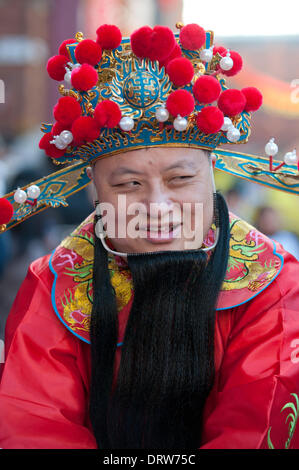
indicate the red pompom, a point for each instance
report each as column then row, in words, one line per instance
column 62, row 48
column 180, row 71
column 45, row 140
column 192, row 36
column 206, row 89
column 6, row 210
column 238, row 63
column 232, row 102
column 85, row 129
column 220, row 49
column 176, row 52
column 88, row 52
column 180, row 102
column 141, row 41
column 254, row 98
column 155, row 44
column 210, row 120
column 58, row 127
column 56, row 67
column 108, row 36
column 84, row 78
column 162, row 43
column 50, row 149
column 67, row 110
column 107, row 114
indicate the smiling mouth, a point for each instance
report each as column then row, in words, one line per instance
column 159, row 229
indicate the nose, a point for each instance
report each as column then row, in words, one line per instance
column 158, row 202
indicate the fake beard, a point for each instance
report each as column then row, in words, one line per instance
column 167, row 361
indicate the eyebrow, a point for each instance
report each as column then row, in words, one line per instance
column 178, row 164
column 181, row 164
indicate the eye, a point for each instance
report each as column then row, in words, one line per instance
column 128, row 183
column 182, row 177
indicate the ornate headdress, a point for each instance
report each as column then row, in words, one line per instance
column 153, row 89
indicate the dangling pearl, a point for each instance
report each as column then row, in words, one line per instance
column 226, row 63
column 20, row 196
column 271, row 148
column 67, row 77
column 162, row 114
column 58, row 143
column 33, row 191
column 126, row 123
column 291, row 158
column 180, row 124
column 233, row 134
column 227, row 124
column 66, row 137
column 206, row 55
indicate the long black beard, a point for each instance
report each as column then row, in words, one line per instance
column 167, row 361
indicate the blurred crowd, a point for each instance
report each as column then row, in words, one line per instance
column 38, row 235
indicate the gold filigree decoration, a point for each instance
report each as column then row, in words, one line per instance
column 79, row 36
column 214, row 62
column 66, row 92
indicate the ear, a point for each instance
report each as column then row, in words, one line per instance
column 213, row 159
column 89, row 172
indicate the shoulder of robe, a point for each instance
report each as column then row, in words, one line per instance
column 254, row 262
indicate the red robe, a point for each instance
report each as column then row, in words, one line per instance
column 254, row 404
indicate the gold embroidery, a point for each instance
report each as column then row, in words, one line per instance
column 250, row 266
column 244, row 257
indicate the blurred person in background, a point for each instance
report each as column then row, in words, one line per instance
column 269, row 221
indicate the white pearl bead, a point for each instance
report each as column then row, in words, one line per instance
column 33, row 191
column 66, row 137
column 58, row 142
column 206, row 55
column 227, row 124
column 180, row 124
column 126, row 123
column 20, row 196
column 271, row 148
column 226, row 63
column 291, row 158
column 233, row 134
column 67, row 77
column 162, row 114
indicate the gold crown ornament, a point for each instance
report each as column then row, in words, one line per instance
column 154, row 88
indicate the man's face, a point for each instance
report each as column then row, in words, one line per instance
column 166, row 193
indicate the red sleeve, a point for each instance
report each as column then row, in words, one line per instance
column 43, row 397
column 255, row 400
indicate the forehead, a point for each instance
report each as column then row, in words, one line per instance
column 150, row 159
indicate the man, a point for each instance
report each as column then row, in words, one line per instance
column 163, row 340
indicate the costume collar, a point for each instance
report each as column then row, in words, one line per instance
column 253, row 264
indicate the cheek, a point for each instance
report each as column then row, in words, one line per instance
column 200, row 194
